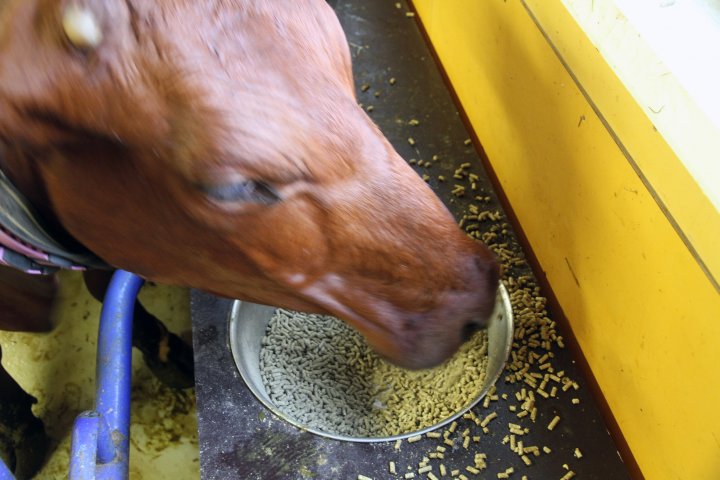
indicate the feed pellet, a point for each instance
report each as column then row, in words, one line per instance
column 320, row 372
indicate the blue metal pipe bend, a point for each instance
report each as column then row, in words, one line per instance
column 102, row 436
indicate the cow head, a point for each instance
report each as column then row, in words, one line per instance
column 219, row 145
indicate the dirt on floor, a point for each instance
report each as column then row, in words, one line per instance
column 58, row 368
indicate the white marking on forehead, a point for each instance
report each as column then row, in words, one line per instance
column 81, row 27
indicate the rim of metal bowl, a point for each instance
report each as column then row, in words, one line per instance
column 504, row 301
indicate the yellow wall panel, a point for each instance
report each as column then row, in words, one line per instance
column 677, row 190
column 645, row 315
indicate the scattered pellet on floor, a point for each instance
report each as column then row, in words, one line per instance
column 553, row 422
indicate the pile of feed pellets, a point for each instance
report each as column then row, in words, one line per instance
column 321, row 373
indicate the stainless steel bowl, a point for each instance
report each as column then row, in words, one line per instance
column 249, row 321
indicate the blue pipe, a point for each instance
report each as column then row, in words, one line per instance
column 83, row 449
column 114, row 359
column 5, row 473
column 101, row 438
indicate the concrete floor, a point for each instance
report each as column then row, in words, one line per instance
column 58, row 368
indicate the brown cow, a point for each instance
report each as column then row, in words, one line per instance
column 219, row 145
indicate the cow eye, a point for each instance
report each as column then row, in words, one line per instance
column 244, row 190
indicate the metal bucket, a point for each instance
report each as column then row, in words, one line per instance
column 249, row 321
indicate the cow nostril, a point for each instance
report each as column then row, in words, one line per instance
column 469, row 330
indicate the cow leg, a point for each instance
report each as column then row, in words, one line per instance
column 168, row 357
column 23, row 441
column 26, row 301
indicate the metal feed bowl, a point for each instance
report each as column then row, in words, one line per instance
column 249, row 321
